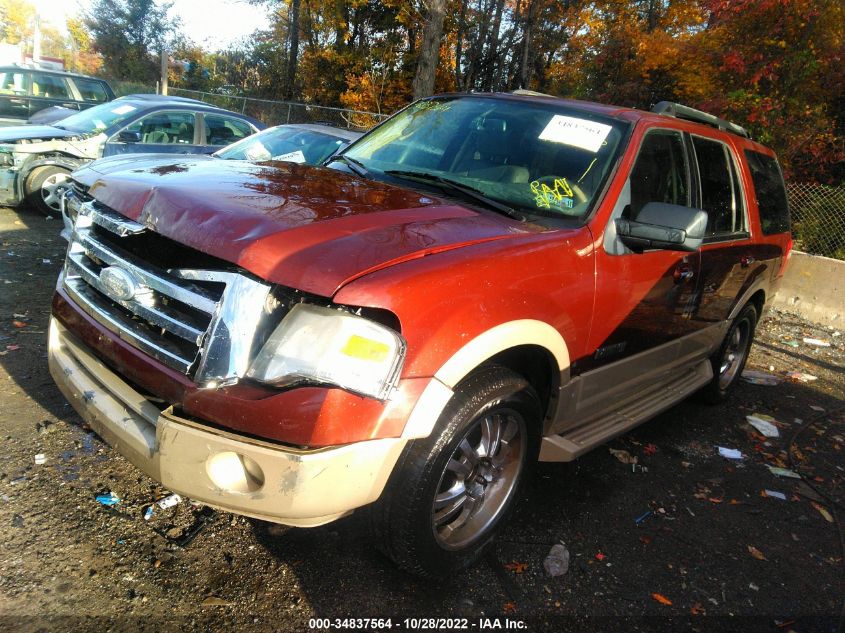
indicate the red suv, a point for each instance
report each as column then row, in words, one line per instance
column 481, row 281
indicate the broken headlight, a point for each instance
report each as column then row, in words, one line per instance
column 6, row 159
column 326, row 345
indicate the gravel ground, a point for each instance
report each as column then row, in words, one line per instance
column 711, row 551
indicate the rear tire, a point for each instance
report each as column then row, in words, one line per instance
column 729, row 361
column 452, row 491
column 44, row 188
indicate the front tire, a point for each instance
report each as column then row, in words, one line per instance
column 452, row 492
column 729, row 361
column 44, row 188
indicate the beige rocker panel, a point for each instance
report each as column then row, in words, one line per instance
column 486, row 345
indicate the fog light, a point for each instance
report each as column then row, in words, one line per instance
column 234, row 472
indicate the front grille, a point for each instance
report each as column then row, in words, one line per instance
column 191, row 312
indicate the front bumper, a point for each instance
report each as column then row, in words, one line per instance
column 225, row 470
column 9, row 190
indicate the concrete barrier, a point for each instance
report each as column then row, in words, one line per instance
column 814, row 287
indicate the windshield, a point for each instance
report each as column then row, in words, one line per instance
column 99, row 117
column 540, row 158
column 284, row 143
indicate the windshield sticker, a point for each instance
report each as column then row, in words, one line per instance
column 547, row 198
column 257, row 152
column 123, row 109
column 292, row 157
column 580, row 133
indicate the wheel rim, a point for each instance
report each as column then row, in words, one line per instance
column 479, row 478
column 734, row 354
column 51, row 190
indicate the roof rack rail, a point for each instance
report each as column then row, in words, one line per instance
column 691, row 114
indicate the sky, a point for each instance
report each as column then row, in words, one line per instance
column 212, row 23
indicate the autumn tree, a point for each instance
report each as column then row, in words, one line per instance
column 130, row 34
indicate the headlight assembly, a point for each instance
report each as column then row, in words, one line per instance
column 330, row 346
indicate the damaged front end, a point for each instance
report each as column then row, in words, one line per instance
column 10, row 164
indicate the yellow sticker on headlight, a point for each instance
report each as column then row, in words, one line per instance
column 365, row 349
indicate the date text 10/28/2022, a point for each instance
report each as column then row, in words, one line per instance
column 417, row 624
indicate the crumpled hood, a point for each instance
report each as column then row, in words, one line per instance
column 30, row 132
column 311, row 228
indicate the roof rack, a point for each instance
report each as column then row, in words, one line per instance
column 691, row 114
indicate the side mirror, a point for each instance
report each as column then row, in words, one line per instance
column 665, row 226
column 125, row 136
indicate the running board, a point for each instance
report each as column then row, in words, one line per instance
column 575, row 442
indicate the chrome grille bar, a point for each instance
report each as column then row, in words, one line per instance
column 166, row 313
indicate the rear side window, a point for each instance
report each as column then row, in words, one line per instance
column 91, row 90
column 223, row 130
column 49, row 86
column 770, row 192
column 721, row 195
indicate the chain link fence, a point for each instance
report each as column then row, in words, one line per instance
column 265, row 110
column 818, row 218
column 278, row 112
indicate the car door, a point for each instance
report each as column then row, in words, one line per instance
column 730, row 262
column 642, row 328
column 162, row 131
column 220, row 130
column 48, row 90
column 14, row 97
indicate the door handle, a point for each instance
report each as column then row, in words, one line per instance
column 683, row 274
column 17, row 101
column 746, row 261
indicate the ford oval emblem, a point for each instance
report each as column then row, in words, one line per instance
column 117, row 283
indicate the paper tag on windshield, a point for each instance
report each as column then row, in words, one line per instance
column 581, row 133
column 292, row 157
column 123, row 109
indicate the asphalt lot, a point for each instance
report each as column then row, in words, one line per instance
column 710, row 552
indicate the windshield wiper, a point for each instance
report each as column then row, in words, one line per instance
column 459, row 187
column 355, row 165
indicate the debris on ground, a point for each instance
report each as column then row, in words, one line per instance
column 215, row 601
column 817, row 342
column 730, row 453
column 108, row 498
column 756, row 553
column 624, row 456
column 764, row 423
column 661, row 599
column 557, row 561
column 783, row 472
column 823, row 511
column 774, row 494
column 761, row 378
column 642, row 517
column 800, row 376
column 516, row 568
column 169, row 501
column 40, row 458
column 148, row 513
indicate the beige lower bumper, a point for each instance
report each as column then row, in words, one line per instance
column 225, row 470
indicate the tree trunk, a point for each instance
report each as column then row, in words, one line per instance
column 293, row 56
column 525, row 67
column 494, row 55
column 429, row 49
column 459, row 43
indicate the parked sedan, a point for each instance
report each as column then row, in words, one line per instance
column 309, row 143
column 35, row 160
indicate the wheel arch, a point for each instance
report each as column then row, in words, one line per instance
column 54, row 160
column 531, row 348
